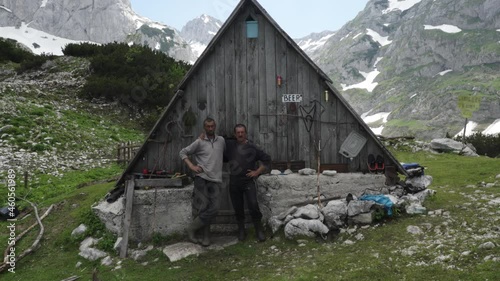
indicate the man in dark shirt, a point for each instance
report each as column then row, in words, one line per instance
column 242, row 158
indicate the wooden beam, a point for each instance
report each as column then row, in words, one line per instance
column 159, row 182
column 129, row 198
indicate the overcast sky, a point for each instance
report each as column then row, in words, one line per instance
column 297, row 17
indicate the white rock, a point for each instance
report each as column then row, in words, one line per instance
column 79, row 230
column 307, row 171
column 329, row 172
column 181, row 250
column 348, row 242
column 275, row 172
column 307, row 212
column 302, row 227
column 287, row 172
column 359, row 237
column 107, row 261
column 118, row 244
column 415, row 230
column 487, row 245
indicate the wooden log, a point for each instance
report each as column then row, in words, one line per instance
column 159, row 182
column 129, row 198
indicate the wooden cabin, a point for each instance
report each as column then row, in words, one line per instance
column 253, row 73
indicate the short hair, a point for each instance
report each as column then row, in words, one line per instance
column 240, row 126
column 208, row 120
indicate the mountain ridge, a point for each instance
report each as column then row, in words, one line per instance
column 402, row 65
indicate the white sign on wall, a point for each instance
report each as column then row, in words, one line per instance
column 291, row 98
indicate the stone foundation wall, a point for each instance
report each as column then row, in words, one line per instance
column 172, row 211
column 279, row 193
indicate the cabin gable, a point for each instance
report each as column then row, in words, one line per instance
column 254, row 81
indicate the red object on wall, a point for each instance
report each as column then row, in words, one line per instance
column 279, row 80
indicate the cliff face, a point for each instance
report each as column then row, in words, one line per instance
column 100, row 21
column 414, row 59
column 200, row 31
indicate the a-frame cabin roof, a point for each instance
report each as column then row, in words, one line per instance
column 239, row 8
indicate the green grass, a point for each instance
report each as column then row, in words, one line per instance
column 378, row 257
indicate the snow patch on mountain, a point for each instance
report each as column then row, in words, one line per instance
column 383, row 41
column 205, row 18
column 311, row 45
column 199, row 32
column 5, row 8
column 375, row 118
column 37, row 41
column 349, row 34
column 368, row 84
column 44, row 3
column 400, row 5
column 444, row 27
column 493, row 129
column 444, row 72
column 469, row 130
column 198, row 48
column 356, row 36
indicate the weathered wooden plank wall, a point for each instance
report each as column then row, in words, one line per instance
column 237, row 83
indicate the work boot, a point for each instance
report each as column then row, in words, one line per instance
column 242, row 233
column 205, row 241
column 259, row 233
column 192, row 228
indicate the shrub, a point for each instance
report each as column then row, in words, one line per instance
column 487, row 145
column 11, row 52
column 34, row 62
column 136, row 76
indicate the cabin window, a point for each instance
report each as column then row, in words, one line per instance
column 252, row 27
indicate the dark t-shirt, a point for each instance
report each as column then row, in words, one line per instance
column 243, row 157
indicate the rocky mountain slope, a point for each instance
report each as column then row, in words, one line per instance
column 200, row 31
column 45, row 128
column 404, row 64
column 40, row 23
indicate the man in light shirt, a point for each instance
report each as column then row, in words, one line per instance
column 208, row 156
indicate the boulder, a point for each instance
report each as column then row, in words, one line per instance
column 181, row 250
column 303, row 227
column 307, row 171
column 284, row 214
column 357, row 207
column 415, row 230
column 449, row 145
column 418, row 183
column 275, row 223
column 79, row 230
column 335, row 213
column 87, row 252
column 307, row 212
column 363, row 218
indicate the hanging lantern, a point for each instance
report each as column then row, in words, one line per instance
column 279, row 80
column 326, row 95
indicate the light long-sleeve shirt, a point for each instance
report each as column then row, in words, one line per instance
column 208, row 154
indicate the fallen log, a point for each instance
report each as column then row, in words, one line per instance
column 35, row 244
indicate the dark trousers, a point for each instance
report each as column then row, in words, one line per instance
column 205, row 201
column 241, row 191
